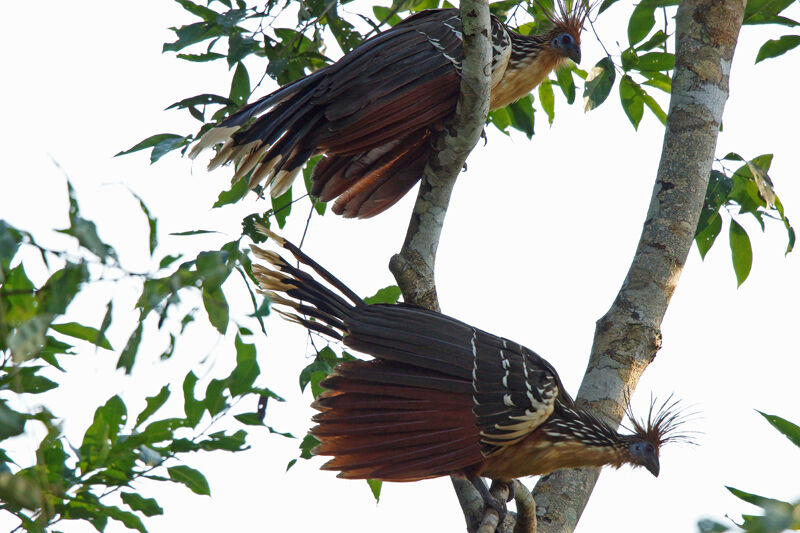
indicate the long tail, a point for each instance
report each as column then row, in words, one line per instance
column 406, row 415
column 277, row 143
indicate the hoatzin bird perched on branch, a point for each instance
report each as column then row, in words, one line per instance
column 442, row 397
column 373, row 113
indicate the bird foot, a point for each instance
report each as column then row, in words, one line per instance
column 498, row 504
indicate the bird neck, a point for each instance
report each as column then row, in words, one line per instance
column 527, row 47
column 530, row 62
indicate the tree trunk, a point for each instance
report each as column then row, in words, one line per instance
column 629, row 335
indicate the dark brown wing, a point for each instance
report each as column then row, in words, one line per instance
column 385, row 95
column 515, row 391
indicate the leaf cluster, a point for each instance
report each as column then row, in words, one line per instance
column 777, row 515
column 107, row 474
column 746, row 191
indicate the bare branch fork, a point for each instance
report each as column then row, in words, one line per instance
column 413, row 267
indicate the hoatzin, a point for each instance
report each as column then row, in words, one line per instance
column 373, row 113
column 442, row 397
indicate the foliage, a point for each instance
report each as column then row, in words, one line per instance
column 747, row 190
column 777, row 515
column 103, row 476
column 123, row 451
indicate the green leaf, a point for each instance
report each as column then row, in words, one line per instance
column 650, row 102
column 281, row 207
column 216, row 306
column 246, row 371
column 167, row 261
column 193, row 232
column 598, row 83
column 152, row 224
column 322, row 365
column 23, row 379
column 659, row 80
column 192, row 34
column 61, row 288
column 706, row 236
column 641, row 22
column 86, row 333
column 375, row 486
column 632, row 102
column 777, row 47
column 741, row 252
column 605, row 5
column 384, row 15
column 27, row 339
column 20, row 491
column 790, row 430
column 237, row 191
column 249, row 419
column 201, row 58
column 239, row 47
column 765, row 11
column 710, row 526
column 209, row 15
column 128, row 355
column 150, row 142
column 755, row 499
column 85, row 230
column 161, row 144
column 202, row 99
column 12, row 423
column 240, row 85
column 319, row 206
column 215, row 396
column 386, row 295
column 153, row 404
column 657, row 39
column 547, row 99
column 567, row 83
column 102, row 434
column 191, row 478
column 308, row 444
column 521, row 113
column 147, row 506
column 501, row 119
column 655, row 61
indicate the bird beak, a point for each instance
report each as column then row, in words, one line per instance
column 573, row 51
column 652, row 465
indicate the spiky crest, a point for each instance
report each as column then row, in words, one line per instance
column 664, row 423
column 567, row 15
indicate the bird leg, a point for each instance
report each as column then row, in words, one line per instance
column 489, row 500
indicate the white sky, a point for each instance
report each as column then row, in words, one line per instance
column 537, row 241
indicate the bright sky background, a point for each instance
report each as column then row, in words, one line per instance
column 537, row 241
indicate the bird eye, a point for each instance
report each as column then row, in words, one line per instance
column 649, row 448
column 566, row 39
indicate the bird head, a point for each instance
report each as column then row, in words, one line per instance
column 660, row 427
column 567, row 18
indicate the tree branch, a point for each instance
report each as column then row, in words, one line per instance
column 413, row 267
column 526, row 508
column 629, row 335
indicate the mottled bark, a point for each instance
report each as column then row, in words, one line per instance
column 413, row 267
column 629, row 335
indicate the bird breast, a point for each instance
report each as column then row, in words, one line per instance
column 520, row 77
column 537, row 456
